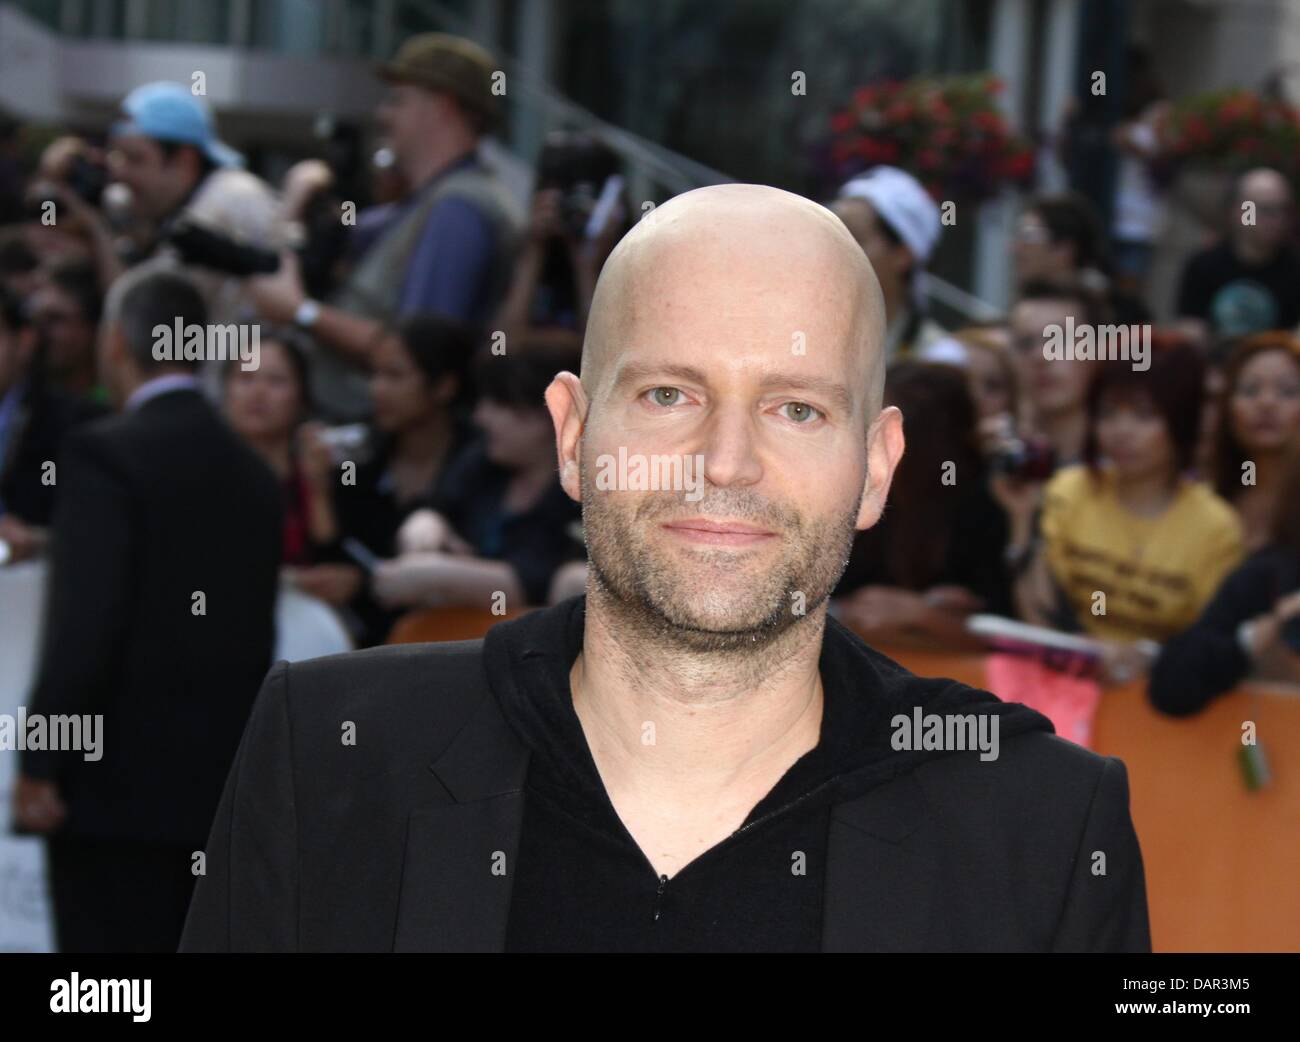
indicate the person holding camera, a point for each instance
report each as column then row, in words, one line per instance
column 183, row 181
column 65, row 222
column 578, row 215
column 448, row 248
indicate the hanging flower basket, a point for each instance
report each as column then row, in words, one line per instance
column 947, row 132
column 1231, row 130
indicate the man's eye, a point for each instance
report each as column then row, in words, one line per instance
column 665, row 396
column 800, row 412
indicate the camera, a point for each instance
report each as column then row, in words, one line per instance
column 1024, row 459
column 580, row 166
column 87, row 179
column 203, row 247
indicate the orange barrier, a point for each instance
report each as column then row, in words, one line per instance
column 1222, row 862
column 427, row 625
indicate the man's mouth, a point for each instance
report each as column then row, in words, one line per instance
column 718, row 533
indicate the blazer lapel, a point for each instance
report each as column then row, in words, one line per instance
column 459, row 864
column 881, row 874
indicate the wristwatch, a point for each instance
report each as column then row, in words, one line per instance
column 307, row 313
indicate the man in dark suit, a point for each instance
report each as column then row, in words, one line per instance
column 693, row 756
column 159, row 621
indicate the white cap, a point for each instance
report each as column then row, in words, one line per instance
column 948, row 350
column 901, row 202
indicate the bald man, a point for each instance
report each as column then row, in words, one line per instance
column 1249, row 282
column 693, row 756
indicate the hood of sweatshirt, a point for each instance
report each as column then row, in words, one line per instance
column 879, row 720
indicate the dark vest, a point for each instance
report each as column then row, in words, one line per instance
column 339, row 388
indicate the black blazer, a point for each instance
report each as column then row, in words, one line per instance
column 386, row 843
column 155, row 505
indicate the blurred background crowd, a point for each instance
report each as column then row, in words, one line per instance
column 417, row 270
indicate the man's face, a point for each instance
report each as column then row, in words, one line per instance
column 157, row 184
column 746, row 359
column 1273, row 213
column 410, row 116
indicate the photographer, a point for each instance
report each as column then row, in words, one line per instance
column 181, row 177
column 578, row 216
column 72, row 176
column 447, row 249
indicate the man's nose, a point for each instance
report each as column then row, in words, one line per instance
column 730, row 447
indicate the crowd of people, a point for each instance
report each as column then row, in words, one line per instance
column 391, row 447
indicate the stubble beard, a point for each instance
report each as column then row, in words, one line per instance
column 708, row 600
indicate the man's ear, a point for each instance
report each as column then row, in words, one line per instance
column 567, row 402
column 884, row 450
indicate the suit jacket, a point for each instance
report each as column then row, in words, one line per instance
column 384, row 841
column 156, row 505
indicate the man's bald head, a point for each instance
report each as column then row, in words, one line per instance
column 781, row 264
column 726, row 438
column 1263, row 184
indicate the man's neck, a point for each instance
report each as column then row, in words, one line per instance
column 1254, row 254
column 132, row 381
column 186, row 198
column 439, row 157
column 684, row 727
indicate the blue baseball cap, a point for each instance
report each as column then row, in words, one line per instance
column 170, row 112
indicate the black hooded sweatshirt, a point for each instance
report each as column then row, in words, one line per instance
column 581, row 882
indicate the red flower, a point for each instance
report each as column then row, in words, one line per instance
column 842, row 121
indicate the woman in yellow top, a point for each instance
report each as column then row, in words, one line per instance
column 1126, row 547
